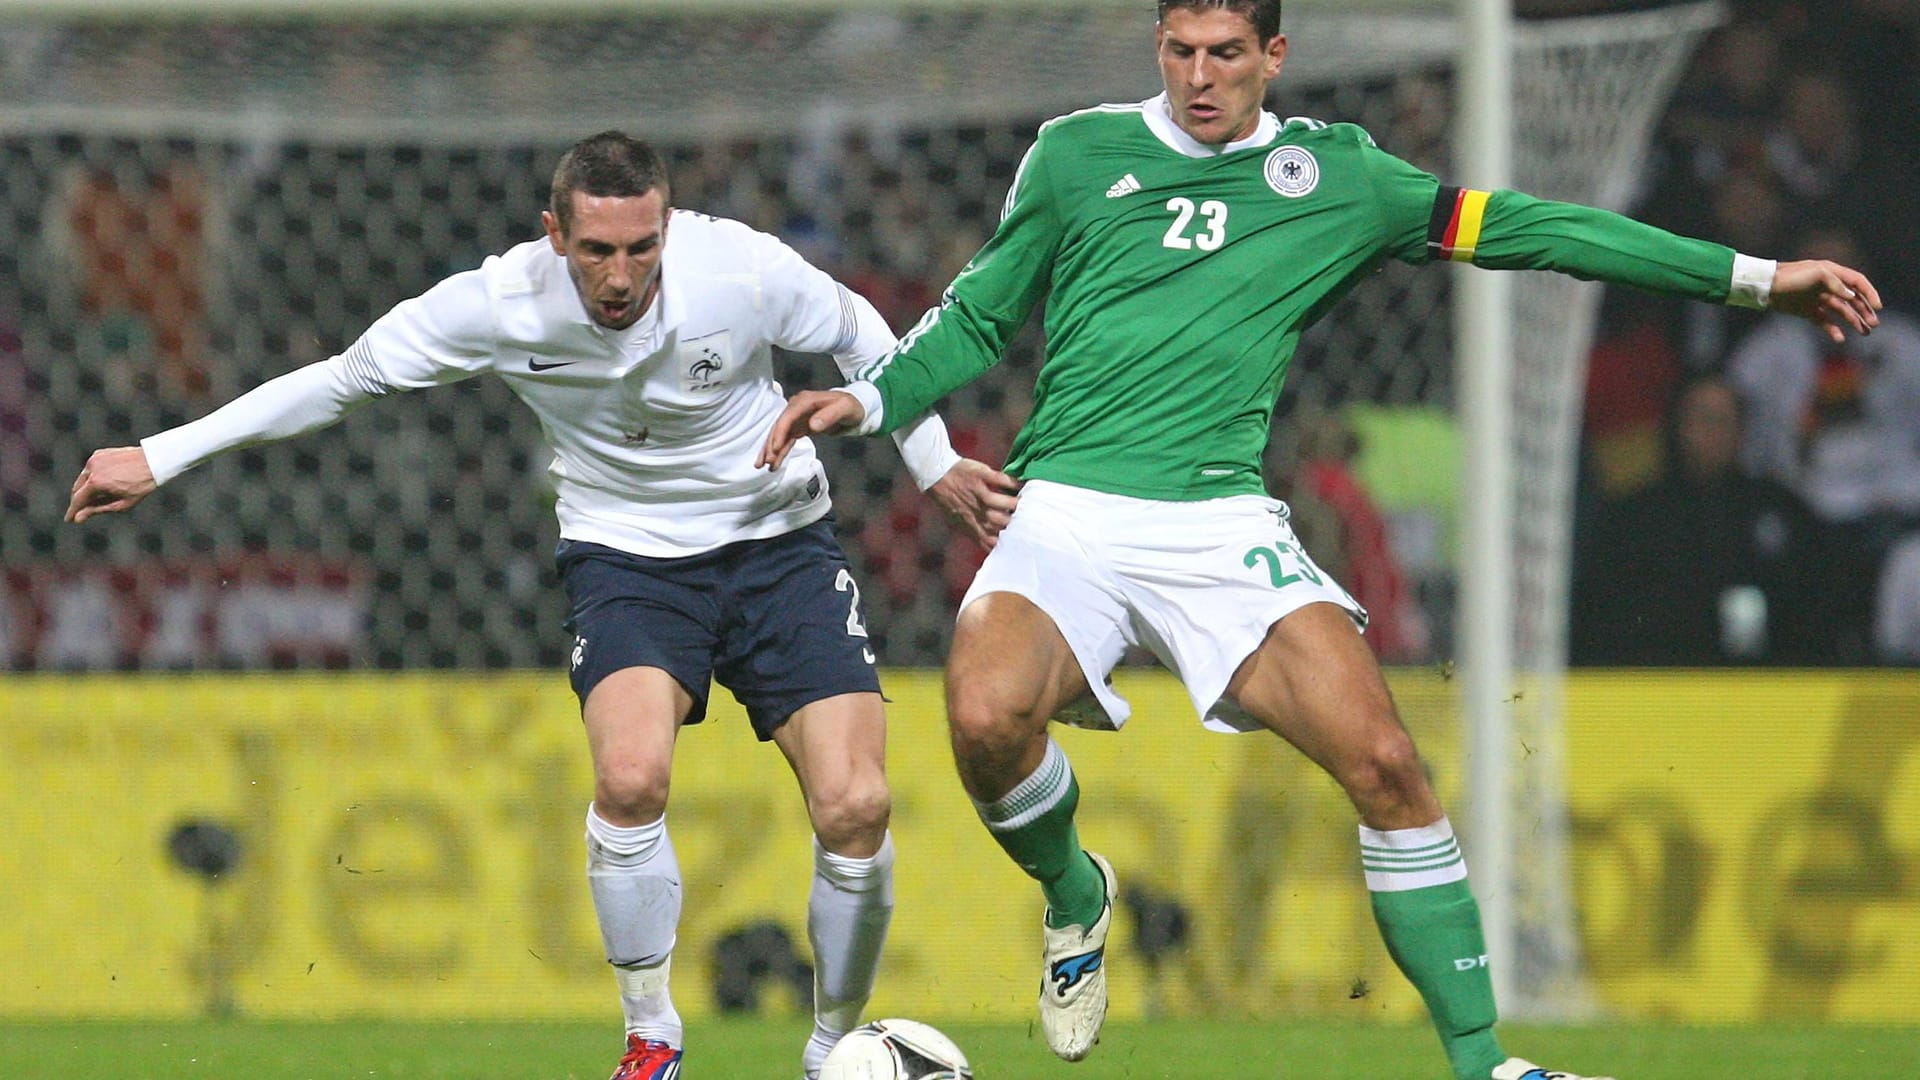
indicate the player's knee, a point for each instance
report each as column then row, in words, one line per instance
column 855, row 814
column 983, row 725
column 1387, row 773
column 630, row 793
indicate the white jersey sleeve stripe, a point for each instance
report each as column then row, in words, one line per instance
column 1013, row 189
column 872, row 371
column 362, row 370
column 849, row 321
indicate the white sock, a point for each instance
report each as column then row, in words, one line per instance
column 635, row 881
column 847, row 915
column 1031, row 798
column 1401, row 859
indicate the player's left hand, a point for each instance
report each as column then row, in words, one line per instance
column 979, row 498
column 1831, row 296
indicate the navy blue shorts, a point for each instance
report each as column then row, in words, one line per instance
column 776, row 621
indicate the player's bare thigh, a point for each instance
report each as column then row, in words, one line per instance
column 1009, row 671
column 632, row 718
column 837, row 748
column 1315, row 683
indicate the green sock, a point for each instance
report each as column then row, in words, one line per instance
column 1431, row 924
column 1033, row 823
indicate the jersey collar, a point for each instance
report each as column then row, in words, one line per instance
column 1156, row 111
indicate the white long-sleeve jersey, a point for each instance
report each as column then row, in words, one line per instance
column 654, row 429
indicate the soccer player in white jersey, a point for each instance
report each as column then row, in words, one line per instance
column 642, row 337
column 1182, row 244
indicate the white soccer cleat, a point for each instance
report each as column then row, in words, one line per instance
column 1073, row 987
column 1518, row 1069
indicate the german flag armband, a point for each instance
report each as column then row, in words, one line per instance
column 1453, row 232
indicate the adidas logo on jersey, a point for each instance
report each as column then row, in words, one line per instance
column 1126, row 185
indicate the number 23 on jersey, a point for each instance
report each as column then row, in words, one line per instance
column 1185, row 234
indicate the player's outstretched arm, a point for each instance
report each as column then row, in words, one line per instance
column 111, row 481
column 1827, row 294
column 810, row 412
column 977, row 497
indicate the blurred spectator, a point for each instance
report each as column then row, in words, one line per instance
column 1896, row 629
column 1838, row 171
column 136, row 249
column 1709, row 565
column 1840, row 424
column 1720, row 115
column 1869, row 47
column 1630, row 376
column 1815, row 146
column 1770, row 126
column 1359, row 553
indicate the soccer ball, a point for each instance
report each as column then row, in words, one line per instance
column 895, row 1050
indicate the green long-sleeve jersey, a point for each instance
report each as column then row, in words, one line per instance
column 1179, row 278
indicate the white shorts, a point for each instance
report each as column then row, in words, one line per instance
column 1198, row 583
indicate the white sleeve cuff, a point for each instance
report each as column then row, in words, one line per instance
column 1752, row 285
column 166, row 457
column 868, row 395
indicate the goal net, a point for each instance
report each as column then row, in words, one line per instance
column 198, row 204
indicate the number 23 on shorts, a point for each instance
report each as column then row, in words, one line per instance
column 1276, row 557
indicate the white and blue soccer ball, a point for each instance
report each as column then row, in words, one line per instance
column 895, row 1050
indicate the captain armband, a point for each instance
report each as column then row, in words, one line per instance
column 1453, row 231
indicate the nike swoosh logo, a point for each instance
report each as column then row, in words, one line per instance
column 535, row 365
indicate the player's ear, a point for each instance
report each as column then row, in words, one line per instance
column 1276, row 55
column 553, row 232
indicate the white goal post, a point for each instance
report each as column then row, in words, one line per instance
column 1543, row 107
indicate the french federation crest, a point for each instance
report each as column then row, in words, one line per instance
column 706, row 362
column 1292, row 171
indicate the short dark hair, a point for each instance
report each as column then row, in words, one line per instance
column 611, row 164
column 1263, row 14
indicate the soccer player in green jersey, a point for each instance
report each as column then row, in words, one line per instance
column 1184, row 243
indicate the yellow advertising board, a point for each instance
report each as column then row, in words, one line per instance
column 1748, row 844
column 410, row 846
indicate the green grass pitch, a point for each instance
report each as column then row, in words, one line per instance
column 763, row 1048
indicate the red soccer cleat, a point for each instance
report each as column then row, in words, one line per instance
column 647, row 1059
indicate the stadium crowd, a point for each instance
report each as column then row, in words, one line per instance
column 1782, row 528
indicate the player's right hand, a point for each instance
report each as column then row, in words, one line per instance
column 809, row 412
column 978, row 498
column 111, row 481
